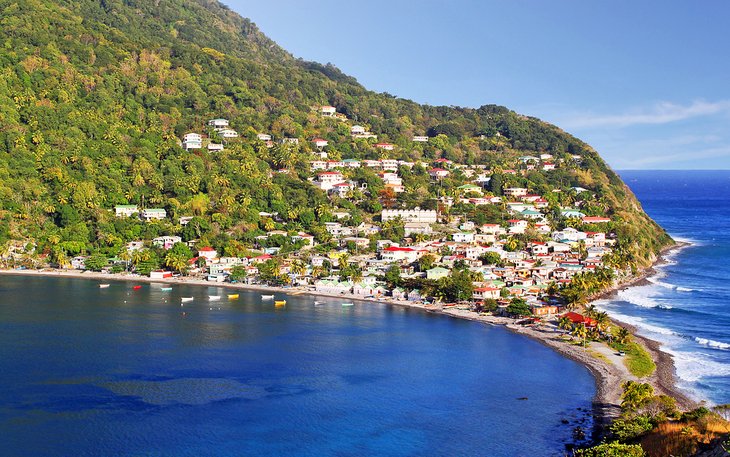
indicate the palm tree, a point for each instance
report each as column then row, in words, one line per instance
column 581, row 332
column 565, row 323
column 591, row 311
column 177, row 262
column 622, row 336
column 602, row 320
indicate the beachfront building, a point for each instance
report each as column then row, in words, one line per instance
column 166, row 242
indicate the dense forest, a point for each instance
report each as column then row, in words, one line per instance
column 96, row 95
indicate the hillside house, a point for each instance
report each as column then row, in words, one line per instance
column 153, row 214
column 125, row 210
column 192, row 141
column 218, row 124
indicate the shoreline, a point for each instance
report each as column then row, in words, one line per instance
column 607, row 375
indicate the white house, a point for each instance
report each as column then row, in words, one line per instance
column 315, row 165
column 263, row 136
column 218, row 123
column 320, row 142
column 398, row 254
column 517, row 225
column 208, row 253
column 385, row 146
column 228, row 133
column 438, row 173
column 153, row 213
column 192, row 141
column 515, row 191
column 420, row 139
column 166, row 242
column 214, row 147
column 125, row 210
column 410, row 215
column 463, row 237
column 357, row 130
column 327, row 111
column 328, row 179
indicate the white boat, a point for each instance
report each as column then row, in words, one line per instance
column 103, row 286
column 214, row 297
column 186, row 299
column 267, row 297
column 348, row 304
column 316, row 302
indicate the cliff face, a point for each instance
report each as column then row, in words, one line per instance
column 95, row 96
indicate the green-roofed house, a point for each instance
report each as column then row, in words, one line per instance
column 466, row 188
column 437, row 273
column 531, row 214
column 570, row 212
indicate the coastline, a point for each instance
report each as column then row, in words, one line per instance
column 608, row 376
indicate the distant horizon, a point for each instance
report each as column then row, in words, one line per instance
column 640, row 84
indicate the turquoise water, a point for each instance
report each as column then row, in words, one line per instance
column 686, row 305
column 117, row 372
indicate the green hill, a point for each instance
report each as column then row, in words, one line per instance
column 96, row 95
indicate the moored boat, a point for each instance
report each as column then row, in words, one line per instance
column 280, row 302
column 186, row 299
column 317, row 302
column 348, row 304
column 214, row 297
column 232, row 296
column 136, row 287
column 103, row 286
column 267, row 297
column 166, row 289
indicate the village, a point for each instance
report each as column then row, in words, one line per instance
column 533, row 251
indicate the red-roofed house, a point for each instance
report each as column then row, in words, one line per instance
column 595, row 219
column 398, row 254
column 208, row 253
column 320, row 143
column 579, row 319
column 484, row 293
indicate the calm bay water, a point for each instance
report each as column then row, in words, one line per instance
column 687, row 306
column 117, row 372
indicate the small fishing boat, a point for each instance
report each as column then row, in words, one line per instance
column 214, row 297
column 103, row 286
column 348, row 304
column 186, row 299
column 136, row 287
column 232, row 296
column 267, row 297
column 280, row 302
column 316, row 302
column 166, row 289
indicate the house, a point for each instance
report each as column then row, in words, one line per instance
column 389, row 164
column 485, row 293
column 579, row 319
column 417, row 227
column 341, row 189
column 399, row 294
column 515, row 191
column 228, row 133
column 218, row 123
column 184, row 220
column 438, row 173
column 398, row 254
column 420, row 139
column 79, row 262
column 351, row 163
column 263, row 136
column 328, row 179
column 463, row 237
column 327, row 111
column 290, row 141
column 315, row 165
column 548, row 166
column 595, row 219
column 410, row 215
column 467, row 188
column 153, row 213
column 569, row 212
column 208, row 253
column 442, row 162
column 166, row 242
column 320, row 143
column 213, row 147
column 333, row 286
column 437, row 273
column 385, row 146
column 160, row 274
column 135, row 246
column 357, row 130
column 517, row 225
column 332, row 164
column 415, row 295
column 125, row 210
column 192, row 141
column 372, row 163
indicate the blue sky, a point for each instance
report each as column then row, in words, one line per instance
column 647, row 83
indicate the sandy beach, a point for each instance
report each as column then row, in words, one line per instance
column 607, row 368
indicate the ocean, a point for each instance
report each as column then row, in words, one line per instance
column 687, row 305
column 118, row 372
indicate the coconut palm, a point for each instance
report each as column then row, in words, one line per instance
column 176, row 261
column 565, row 323
column 580, row 331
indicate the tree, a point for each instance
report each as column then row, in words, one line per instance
column 490, row 258
column 426, row 262
column 565, row 323
column 518, row 307
column 238, row 273
column 392, row 276
column 611, row 450
column 96, row 262
column 581, row 332
column 178, row 258
column 635, row 395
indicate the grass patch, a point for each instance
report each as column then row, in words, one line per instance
column 637, row 359
column 599, row 356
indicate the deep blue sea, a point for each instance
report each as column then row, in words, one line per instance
column 115, row 372
column 687, row 306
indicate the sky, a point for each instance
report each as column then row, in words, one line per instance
column 645, row 82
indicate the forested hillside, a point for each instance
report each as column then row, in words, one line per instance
column 95, row 97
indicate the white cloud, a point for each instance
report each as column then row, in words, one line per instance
column 676, row 159
column 660, row 113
